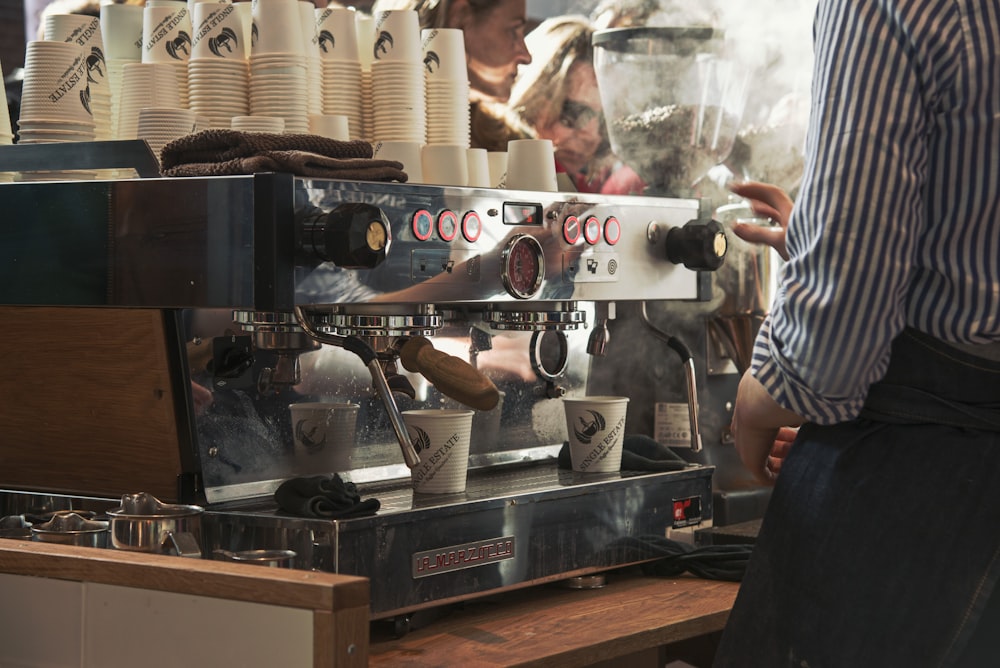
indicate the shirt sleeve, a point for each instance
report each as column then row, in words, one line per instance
column 853, row 232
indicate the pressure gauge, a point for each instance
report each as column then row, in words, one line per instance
column 522, row 266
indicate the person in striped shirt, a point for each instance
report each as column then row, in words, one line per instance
column 880, row 545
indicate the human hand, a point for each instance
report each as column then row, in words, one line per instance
column 760, row 430
column 767, row 201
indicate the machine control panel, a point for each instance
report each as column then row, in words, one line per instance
column 490, row 246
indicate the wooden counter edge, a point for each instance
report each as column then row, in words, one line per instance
column 548, row 626
column 183, row 575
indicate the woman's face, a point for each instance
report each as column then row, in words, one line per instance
column 494, row 48
column 575, row 128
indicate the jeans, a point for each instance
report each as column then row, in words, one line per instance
column 881, row 542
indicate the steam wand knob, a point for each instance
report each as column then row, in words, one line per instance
column 697, row 245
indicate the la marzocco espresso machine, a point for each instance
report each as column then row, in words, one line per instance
column 134, row 300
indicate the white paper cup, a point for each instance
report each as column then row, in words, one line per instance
column 324, row 435
column 55, row 83
column 218, row 31
column 596, row 430
column 277, row 28
column 121, row 30
column 531, row 165
column 479, row 168
column 166, row 34
column 397, row 36
column 445, row 164
column 333, row 126
column 406, row 152
column 444, row 53
column 441, row 438
column 337, row 34
column 497, row 161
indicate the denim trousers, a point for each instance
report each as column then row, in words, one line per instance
column 880, row 545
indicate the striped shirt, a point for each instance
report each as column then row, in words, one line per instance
column 898, row 219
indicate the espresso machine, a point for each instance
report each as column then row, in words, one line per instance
column 131, row 298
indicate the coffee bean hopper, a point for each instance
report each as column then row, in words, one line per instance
column 172, row 321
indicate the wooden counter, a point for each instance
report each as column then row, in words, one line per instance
column 119, row 608
column 551, row 625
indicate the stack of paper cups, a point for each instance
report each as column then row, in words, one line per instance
column 54, row 105
column 146, row 85
column 166, row 38
column 398, row 88
column 218, row 72
column 314, row 69
column 366, row 45
column 271, row 124
column 341, row 66
column 121, row 31
column 447, row 86
column 86, row 31
column 278, row 69
column 159, row 126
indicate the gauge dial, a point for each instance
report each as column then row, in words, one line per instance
column 522, row 266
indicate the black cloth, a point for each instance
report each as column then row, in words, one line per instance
column 323, row 496
column 671, row 558
column 639, row 453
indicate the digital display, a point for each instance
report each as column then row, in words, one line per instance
column 522, row 213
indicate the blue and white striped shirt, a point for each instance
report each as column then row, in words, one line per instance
column 898, row 219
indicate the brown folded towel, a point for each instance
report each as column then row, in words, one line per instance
column 223, row 152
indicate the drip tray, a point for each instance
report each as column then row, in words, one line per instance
column 512, row 527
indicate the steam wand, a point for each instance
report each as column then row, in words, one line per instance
column 688, row 361
column 362, row 349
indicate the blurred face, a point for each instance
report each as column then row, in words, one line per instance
column 575, row 128
column 494, row 47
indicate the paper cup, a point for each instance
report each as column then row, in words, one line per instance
column 397, row 36
column 441, row 438
column 445, row 164
column 444, row 53
column 406, row 152
column 277, row 28
column 337, row 34
column 596, row 429
column 479, row 168
column 121, row 30
column 531, row 165
column 497, row 162
column 166, row 34
column 332, row 126
column 324, row 435
column 218, row 32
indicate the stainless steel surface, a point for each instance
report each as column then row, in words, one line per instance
column 512, row 527
column 72, row 529
column 513, row 279
column 142, row 523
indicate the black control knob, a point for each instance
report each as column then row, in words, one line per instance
column 698, row 245
column 353, row 236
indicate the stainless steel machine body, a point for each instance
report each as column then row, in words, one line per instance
column 244, row 267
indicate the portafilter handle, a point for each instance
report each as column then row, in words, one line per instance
column 362, row 349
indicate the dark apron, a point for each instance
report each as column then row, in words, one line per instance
column 881, row 541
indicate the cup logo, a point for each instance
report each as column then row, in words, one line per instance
column 383, row 44
column 587, row 429
column 95, row 65
column 422, row 442
column 326, row 41
column 306, row 434
column 179, row 45
column 225, row 40
column 432, row 62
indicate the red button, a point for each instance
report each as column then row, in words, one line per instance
column 472, row 226
column 612, row 230
column 447, row 225
column 423, row 224
column 571, row 229
column 592, row 230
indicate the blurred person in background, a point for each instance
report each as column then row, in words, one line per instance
column 494, row 49
column 556, row 97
